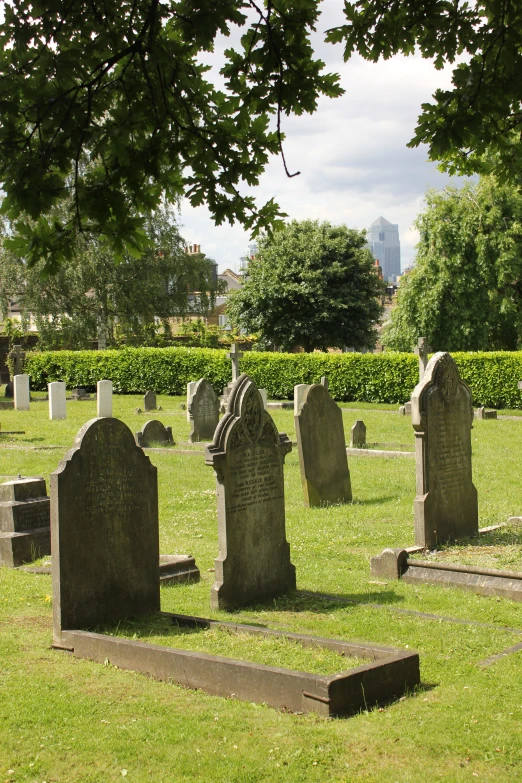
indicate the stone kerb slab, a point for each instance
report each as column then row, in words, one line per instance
column 322, row 449
column 57, row 403
column 247, row 455
column 154, row 433
column 104, row 398
column 203, row 412
column 22, row 395
column 446, row 505
column 25, row 532
column 104, row 530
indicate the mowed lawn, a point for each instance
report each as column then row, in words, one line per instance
column 63, row 719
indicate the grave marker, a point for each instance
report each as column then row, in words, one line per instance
column 422, row 350
column 247, row 455
column 25, row 532
column 104, row 529
column 18, row 356
column 322, row 449
column 235, row 355
column 442, row 415
column 149, row 401
column 358, row 435
column 154, row 433
column 21, row 392
column 203, row 412
column 57, row 404
column 104, row 399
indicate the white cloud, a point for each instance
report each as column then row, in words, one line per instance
column 352, row 152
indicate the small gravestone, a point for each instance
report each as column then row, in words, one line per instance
column 203, row 411
column 154, row 433
column 104, row 530
column 80, row 394
column 57, row 404
column 322, row 449
column 358, row 435
column 21, row 392
column 25, row 531
column 405, row 410
column 149, row 401
column 442, row 415
column 104, row 399
column 482, row 413
column 247, row 455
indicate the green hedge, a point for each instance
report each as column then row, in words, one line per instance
column 388, row 377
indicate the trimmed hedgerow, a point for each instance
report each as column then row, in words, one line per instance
column 388, row 377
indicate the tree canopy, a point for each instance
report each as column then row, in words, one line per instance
column 465, row 290
column 311, row 285
column 93, row 298
column 108, row 100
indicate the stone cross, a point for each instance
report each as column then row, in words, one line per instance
column 18, row 356
column 235, row 355
column 422, row 350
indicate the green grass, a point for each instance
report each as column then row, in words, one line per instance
column 63, row 719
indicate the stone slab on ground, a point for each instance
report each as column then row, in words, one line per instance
column 178, row 568
column 379, row 453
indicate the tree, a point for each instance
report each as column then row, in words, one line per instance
column 465, row 290
column 311, row 285
column 119, row 85
column 92, row 297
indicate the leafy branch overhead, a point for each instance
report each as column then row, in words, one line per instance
column 109, row 101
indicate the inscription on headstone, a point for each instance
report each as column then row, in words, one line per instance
column 104, row 530
column 322, row 449
column 25, row 532
column 442, row 415
column 203, row 411
column 247, row 455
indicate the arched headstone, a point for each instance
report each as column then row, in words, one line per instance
column 154, row 433
column 203, row 411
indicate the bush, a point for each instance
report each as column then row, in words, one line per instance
column 388, row 377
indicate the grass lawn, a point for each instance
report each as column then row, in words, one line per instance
column 64, row 719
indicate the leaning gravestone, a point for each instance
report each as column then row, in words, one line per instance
column 25, row 532
column 247, row 455
column 154, row 433
column 104, row 529
column 322, row 449
column 149, row 401
column 203, row 412
column 442, row 415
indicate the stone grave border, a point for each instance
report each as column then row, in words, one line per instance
column 396, row 564
column 391, row 674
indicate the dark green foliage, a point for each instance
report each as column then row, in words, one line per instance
column 465, row 290
column 312, row 285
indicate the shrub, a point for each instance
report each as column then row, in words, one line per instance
column 388, row 377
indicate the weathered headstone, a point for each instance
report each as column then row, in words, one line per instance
column 422, row 350
column 154, row 433
column 405, row 410
column 203, row 411
column 80, row 394
column 264, row 397
column 483, row 413
column 299, row 392
column 21, row 392
column 247, row 455
column 190, row 390
column 322, row 449
column 104, row 530
column 18, row 356
column 57, row 404
column 324, row 381
column 149, row 401
column 442, row 415
column 358, row 435
column 25, row 532
column 104, row 399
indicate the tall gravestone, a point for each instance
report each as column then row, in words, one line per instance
column 17, row 356
column 104, row 529
column 235, row 355
column 57, row 400
column 322, row 449
column 22, row 394
column 149, row 401
column 203, row 411
column 104, row 398
column 442, row 414
column 247, row 455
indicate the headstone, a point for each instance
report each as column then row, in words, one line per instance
column 154, row 433
column 57, row 404
column 79, row 394
column 324, row 381
column 264, row 397
column 405, row 410
column 442, row 415
column 21, row 392
column 322, row 449
column 422, row 350
column 358, row 435
column 482, row 413
column 25, row 531
column 235, row 355
column 104, row 530
column 203, row 411
column 104, row 399
column 18, row 356
column 149, row 401
column 190, row 390
column 299, row 393
column 247, row 455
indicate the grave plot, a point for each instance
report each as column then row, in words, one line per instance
column 104, row 521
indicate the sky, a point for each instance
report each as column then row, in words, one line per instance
column 351, row 153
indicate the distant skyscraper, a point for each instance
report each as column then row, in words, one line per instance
column 383, row 241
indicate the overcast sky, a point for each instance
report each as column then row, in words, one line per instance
column 351, row 153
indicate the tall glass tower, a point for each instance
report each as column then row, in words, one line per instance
column 383, row 241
